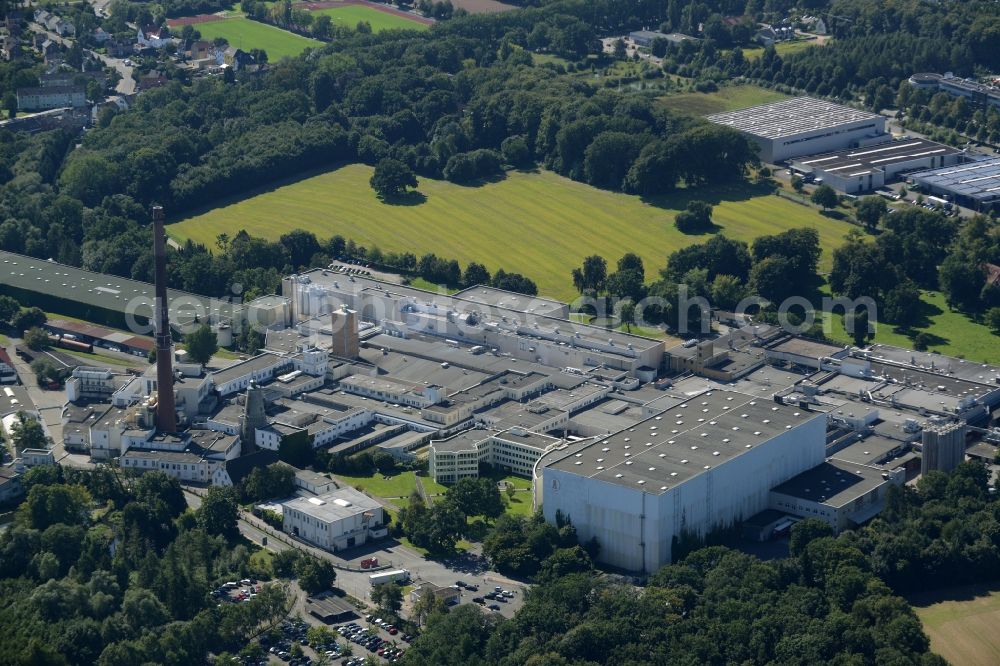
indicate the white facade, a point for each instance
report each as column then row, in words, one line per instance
column 514, row 451
column 342, row 519
column 636, row 528
column 181, row 466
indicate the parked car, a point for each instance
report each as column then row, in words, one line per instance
column 494, row 607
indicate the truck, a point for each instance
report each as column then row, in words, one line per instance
column 397, row 576
column 939, row 202
column 369, row 562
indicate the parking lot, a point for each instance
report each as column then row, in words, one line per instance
column 469, row 568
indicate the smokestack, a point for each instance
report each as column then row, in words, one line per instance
column 166, row 415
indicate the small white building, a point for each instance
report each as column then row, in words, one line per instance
column 334, row 521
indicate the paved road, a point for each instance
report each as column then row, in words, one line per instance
column 126, row 86
column 47, row 403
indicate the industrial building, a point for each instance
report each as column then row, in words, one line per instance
column 869, row 168
column 334, row 521
column 645, row 38
column 482, row 318
column 975, row 185
column 515, row 451
column 707, row 463
column 109, row 299
column 804, row 126
column 839, row 493
column 978, row 93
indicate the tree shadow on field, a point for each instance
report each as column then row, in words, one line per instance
column 487, row 180
column 411, row 198
column 923, row 321
column 834, row 214
column 710, row 230
column 712, row 194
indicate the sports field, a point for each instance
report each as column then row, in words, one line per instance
column 728, row 98
column 538, row 224
column 246, row 34
column 962, row 625
column 378, row 20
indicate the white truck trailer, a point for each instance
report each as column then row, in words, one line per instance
column 397, row 576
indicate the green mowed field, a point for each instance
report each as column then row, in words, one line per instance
column 962, row 624
column 538, row 224
column 379, row 21
column 396, row 486
column 953, row 333
column 729, row 98
column 246, row 34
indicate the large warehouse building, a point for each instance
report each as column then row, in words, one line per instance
column 865, row 169
column 804, row 126
column 706, row 463
column 975, row 185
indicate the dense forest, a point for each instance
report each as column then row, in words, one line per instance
column 104, row 569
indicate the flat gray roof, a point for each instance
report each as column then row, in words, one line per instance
column 804, row 347
column 790, row 117
column 237, row 370
column 835, row 483
column 336, row 505
column 110, row 292
column 510, row 299
column 868, row 451
column 463, row 441
column 860, row 161
column 956, row 367
column 977, row 180
column 703, row 432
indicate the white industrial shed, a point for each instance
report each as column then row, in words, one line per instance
column 865, row 169
column 804, row 126
column 707, row 463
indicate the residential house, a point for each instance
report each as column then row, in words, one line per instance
column 12, row 22
column 153, row 36
column 201, row 49
column 236, row 58
column 60, row 26
column 99, row 35
column 10, row 485
column 117, row 48
column 51, row 52
column 153, row 80
column 10, row 47
column 55, row 97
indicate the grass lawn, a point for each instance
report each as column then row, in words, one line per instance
column 99, row 358
column 954, row 334
column 519, row 504
column 782, row 48
column 962, row 623
column 427, row 285
column 228, row 355
column 399, row 485
column 727, row 98
column 379, row 21
column 246, row 34
column 263, row 560
column 546, row 223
